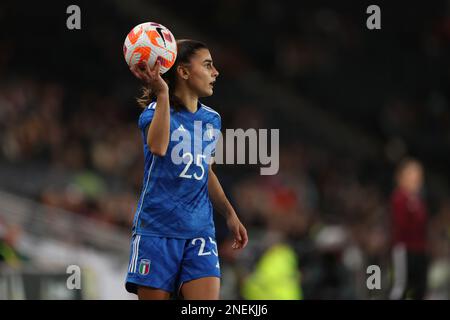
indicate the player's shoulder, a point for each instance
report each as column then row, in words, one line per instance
column 149, row 109
column 210, row 112
column 147, row 114
column 151, row 106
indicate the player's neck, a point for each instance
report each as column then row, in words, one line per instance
column 189, row 100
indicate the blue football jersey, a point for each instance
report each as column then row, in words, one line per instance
column 174, row 200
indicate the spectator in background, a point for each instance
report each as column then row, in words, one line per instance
column 409, row 232
column 9, row 253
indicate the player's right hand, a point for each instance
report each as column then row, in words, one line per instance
column 151, row 77
column 239, row 232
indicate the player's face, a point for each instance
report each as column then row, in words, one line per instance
column 412, row 177
column 202, row 73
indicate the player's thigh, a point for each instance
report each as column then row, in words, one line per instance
column 147, row 293
column 207, row 288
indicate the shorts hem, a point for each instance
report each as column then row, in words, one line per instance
column 195, row 277
column 132, row 283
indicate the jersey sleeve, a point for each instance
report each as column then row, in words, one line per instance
column 146, row 117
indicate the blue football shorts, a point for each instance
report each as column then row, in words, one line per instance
column 166, row 263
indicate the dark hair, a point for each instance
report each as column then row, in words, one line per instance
column 186, row 48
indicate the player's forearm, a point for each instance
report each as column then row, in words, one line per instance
column 159, row 129
column 218, row 198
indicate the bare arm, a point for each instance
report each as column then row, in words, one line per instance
column 158, row 131
column 224, row 207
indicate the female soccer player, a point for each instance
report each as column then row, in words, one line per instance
column 173, row 248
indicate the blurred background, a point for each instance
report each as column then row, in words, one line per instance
column 350, row 104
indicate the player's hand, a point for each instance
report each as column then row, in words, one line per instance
column 151, row 77
column 239, row 232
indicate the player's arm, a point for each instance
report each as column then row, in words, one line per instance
column 223, row 206
column 158, row 132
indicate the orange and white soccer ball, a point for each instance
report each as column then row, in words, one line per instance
column 149, row 42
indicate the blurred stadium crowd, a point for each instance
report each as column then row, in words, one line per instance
column 69, row 136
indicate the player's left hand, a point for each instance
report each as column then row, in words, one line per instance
column 239, row 232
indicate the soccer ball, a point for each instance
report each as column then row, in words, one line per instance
column 149, row 42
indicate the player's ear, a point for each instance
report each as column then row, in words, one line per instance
column 183, row 72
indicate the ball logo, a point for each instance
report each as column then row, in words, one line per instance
column 144, row 267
